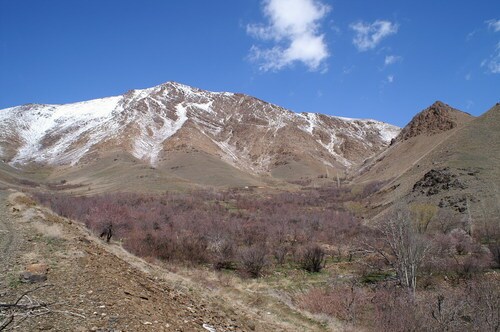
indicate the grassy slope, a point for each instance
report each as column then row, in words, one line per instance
column 11, row 177
column 178, row 171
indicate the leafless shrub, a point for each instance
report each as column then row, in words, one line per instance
column 447, row 312
column 347, row 302
column 301, row 182
column 394, row 310
column 253, row 260
column 494, row 247
column 488, row 233
column 483, row 298
column 222, row 250
column 312, row 258
column 192, row 249
column 466, row 307
column 471, row 265
column 444, row 222
column 457, row 256
column 280, row 252
column 462, row 241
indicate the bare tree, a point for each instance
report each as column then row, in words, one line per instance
column 253, row 260
column 404, row 248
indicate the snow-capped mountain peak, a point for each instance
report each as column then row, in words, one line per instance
column 247, row 133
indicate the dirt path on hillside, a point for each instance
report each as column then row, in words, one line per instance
column 92, row 286
column 10, row 240
column 7, row 234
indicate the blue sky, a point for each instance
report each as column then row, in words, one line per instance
column 384, row 60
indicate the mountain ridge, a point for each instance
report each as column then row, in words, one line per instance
column 243, row 131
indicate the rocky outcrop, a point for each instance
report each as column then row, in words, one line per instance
column 437, row 180
column 437, row 118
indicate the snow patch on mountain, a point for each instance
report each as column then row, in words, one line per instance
column 331, row 148
column 387, row 132
column 36, row 126
column 149, row 143
column 207, row 107
column 311, row 121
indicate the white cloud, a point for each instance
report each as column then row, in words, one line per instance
column 471, row 35
column 492, row 64
column 494, row 25
column 368, row 36
column 391, row 59
column 390, row 78
column 293, row 27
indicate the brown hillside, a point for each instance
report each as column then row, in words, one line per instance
column 461, row 173
column 423, row 133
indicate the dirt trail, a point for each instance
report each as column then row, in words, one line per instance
column 10, row 241
column 7, row 235
column 100, row 287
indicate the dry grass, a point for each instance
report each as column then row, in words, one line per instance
column 52, row 217
column 52, row 232
column 24, row 200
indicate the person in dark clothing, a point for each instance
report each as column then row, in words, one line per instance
column 108, row 232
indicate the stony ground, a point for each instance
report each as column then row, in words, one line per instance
column 94, row 286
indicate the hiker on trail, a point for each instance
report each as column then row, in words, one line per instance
column 108, row 232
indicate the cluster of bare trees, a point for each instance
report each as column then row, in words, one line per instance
column 471, row 306
column 443, row 277
column 249, row 233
